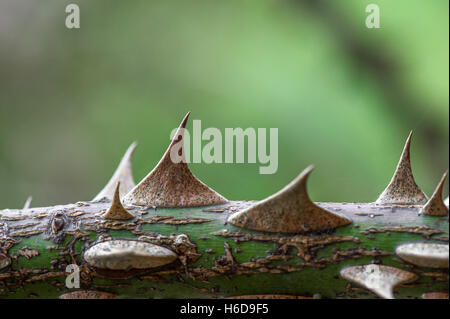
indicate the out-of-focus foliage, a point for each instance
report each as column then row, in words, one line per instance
column 71, row 101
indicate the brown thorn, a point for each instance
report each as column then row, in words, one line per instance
column 435, row 205
column 290, row 210
column 402, row 188
column 172, row 184
column 116, row 211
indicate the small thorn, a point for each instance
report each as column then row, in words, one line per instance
column 429, row 255
column 124, row 254
column 28, row 202
column 171, row 183
column 379, row 279
column 435, row 205
column 402, row 188
column 117, row 211
column 290, row 210
column 123, row 174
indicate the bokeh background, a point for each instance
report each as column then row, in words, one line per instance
column 344, row 97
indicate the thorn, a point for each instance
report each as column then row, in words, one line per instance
column 116, row 211
column 403, row 189
column 379, row 279
column 123, row 174
column 172, row 184
column 290, row 210
column 435, row 205
column 447, row 201
column 429, row 255
column 28, row 202
column 125, row 254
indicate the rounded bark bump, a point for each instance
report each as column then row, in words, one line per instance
column 379, row 279
column 430, row 255
column 122, row 254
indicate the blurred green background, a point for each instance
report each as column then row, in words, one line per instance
column 344, row 97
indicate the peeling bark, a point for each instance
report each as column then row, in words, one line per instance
column 37, row 244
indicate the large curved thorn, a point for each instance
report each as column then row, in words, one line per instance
column 379, row 279
column 171, row 183
column 28, row 202
column 403, row 189
column 123, row 174
column 117, row 211
column 288, row 211
column 435, row 205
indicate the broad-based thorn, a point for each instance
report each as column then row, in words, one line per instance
column 117, row 211
column 435, row 205
column 171, row 183
column 288, row 211
column 402, row 188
